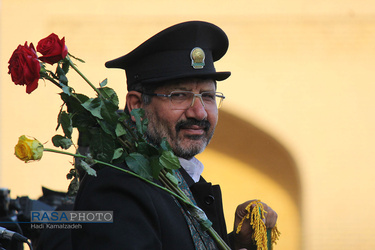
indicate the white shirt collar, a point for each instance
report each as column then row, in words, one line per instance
column 193, row 167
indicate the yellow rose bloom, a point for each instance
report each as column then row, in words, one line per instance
column 28, row 149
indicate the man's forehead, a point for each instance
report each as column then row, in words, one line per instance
column 189, row 84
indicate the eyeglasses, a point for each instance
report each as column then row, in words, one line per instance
column 181, row 100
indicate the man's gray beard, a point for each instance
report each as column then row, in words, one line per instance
column 155, row 138
column 156, row 133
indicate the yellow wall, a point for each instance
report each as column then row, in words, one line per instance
column 302, row 94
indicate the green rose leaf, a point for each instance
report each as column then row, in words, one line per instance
column 165, row 145
column 120, row 130
column 122, row 116
column 101, row 145
column 146, row 149
column 117, row 158
column 110, row 118
column 105, row 112
column 94, row 106
column 61, row 74
column 172, row 178
column 156, row 167
column 140, row 122
column 73, row 102
column 83, row 120
column 110, row 94
column 118, row 153
column 107, row 127
column 66, row 123
column 61, row 141
column 139, row 164
column 87, row 168
column 63, row 79
column 169, row 161
column 65, row 65
column 66, row 89
column 104, row 83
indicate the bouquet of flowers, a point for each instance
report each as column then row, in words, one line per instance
column 101, row 127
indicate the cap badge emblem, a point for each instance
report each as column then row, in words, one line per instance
column 197, row 58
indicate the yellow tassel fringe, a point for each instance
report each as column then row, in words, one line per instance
column 256, row 217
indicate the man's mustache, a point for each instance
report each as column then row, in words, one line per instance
column 191, row 122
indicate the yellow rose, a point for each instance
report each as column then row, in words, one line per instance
column 28, row 149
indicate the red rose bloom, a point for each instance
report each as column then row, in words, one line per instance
column 52, row 48
column 24, row 67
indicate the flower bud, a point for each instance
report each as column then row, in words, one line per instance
column 28, row 149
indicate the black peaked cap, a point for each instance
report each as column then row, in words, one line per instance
column 169, row 54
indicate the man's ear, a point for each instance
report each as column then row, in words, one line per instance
column 133, row 101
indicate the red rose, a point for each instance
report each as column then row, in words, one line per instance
column 52, row 48
column 24, row 67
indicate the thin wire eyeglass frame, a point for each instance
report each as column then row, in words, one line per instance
column 217, row 101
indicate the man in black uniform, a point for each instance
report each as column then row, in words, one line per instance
column 172, row 77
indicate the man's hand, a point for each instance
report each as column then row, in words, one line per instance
column 243, row 240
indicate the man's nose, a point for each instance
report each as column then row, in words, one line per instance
column 195, row 98
column 197, row 109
